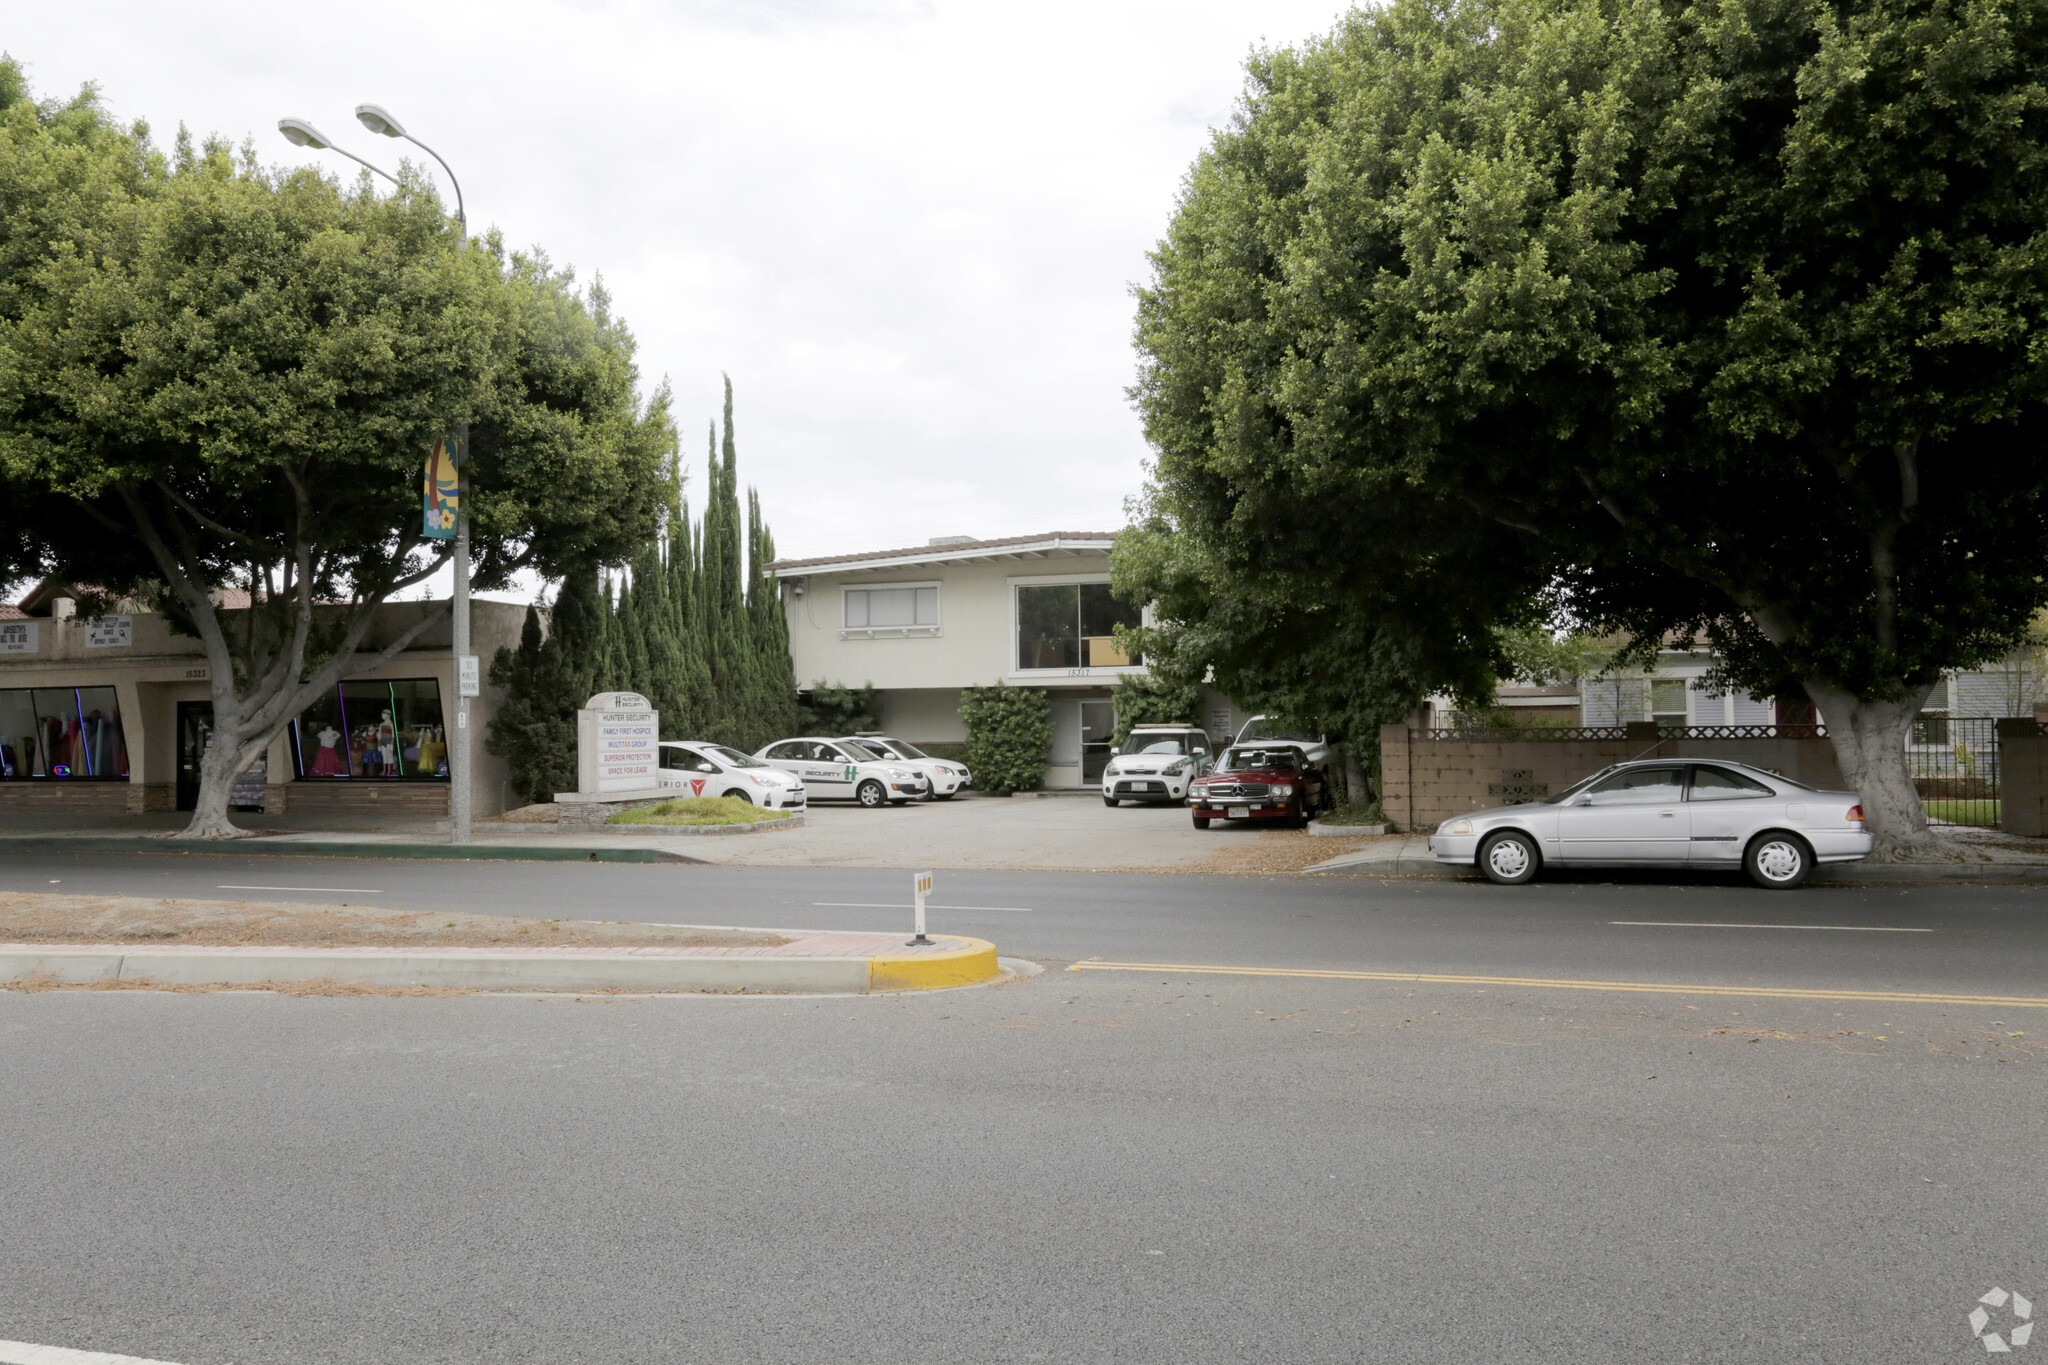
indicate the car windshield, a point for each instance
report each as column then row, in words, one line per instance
column 732, row 756
column 1263, row 728
column 1247, row 760
column 1575, row 788
column 859, row 753
column 1154, row 743
column 897, row 746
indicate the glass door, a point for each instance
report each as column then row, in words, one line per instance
column 195, row 737
column 1098, row 726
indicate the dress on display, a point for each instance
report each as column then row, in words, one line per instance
column 329, row 762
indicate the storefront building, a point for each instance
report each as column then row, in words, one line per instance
column 113, row 713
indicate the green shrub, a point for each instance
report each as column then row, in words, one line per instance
column 837, row 709
column 1009, row 732
column 698, row 810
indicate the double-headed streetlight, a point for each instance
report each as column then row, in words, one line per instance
column 377, row 120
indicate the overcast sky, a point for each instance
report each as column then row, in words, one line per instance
column 906, row 230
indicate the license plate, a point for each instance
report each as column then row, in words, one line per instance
column 1237, row 812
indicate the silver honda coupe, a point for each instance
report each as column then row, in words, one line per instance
column 1665, row 813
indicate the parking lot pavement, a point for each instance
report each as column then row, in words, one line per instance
column 1058, row 833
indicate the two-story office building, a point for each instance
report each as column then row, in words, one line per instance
column 921, row 624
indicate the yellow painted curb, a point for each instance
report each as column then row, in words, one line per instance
column 968, row 963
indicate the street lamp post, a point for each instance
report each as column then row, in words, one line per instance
column 377, row 120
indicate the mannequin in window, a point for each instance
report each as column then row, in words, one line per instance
column 328, row 762
column 433, row 751
column 387, row 746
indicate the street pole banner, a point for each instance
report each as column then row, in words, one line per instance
column 442, row 489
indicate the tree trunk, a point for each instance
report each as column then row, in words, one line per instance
column 218, row 768
column 1357, row 789
column 1870, row 745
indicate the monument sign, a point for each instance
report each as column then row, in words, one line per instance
column 617, row 734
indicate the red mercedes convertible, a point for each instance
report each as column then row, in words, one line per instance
column 1253, row 782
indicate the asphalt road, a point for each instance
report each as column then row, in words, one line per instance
column 1088, row 1165
column 1968, row 939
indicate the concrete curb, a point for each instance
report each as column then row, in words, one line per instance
column 1321, row 830
column 972, row 961
column 962, row 962
column 29, row 843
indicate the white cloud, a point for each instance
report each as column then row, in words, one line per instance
column 907, row 230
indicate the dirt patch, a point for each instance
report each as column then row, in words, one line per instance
column 325, row 985
column 28, row 917
column 546, row 813
column 1280, row 850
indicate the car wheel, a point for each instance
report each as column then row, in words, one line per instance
column 739, row 795
column 1201, row 822
column 1509, row 858
column 1778, row 861
column 871, row 794
column 1109, row 801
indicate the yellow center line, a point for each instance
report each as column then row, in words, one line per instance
column 1534, row 982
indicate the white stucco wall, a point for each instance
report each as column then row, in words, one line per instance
column 975, row 641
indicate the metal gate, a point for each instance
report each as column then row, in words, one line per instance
column 1954, row 763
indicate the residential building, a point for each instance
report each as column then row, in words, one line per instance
column 923, row 623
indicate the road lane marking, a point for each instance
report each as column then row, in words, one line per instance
column 352, row 890
column 1635, row 987
column 28, row 1353
column 1692, row 924
column 877, row 905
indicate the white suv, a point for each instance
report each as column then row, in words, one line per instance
column 1266, row 730
column 948, row 778
column 1156, row 763
column 695, row 768
column 845, row 770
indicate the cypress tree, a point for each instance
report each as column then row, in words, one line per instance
column 774, row 672
column 693, row 622
column 548, row 678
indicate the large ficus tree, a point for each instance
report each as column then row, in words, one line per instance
column 1723, row 317
column 216, row 376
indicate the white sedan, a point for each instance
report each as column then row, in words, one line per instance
column 1665, row 813
column 843, row 770
column 948, row 778
column 696, row 768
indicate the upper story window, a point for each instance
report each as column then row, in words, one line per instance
column 1071, row 625
column 898, row 609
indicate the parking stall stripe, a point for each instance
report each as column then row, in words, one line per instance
column 1635, row 987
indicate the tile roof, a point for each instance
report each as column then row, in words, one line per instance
column 10, row 612
column 959, row 549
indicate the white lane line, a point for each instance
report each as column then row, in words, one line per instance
column 352, row 890
column 879, row 905
column 1689, row 924
column 28, row 1353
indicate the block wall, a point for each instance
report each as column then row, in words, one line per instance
column 1427, row 779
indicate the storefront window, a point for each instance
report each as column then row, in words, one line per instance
column 1071, row 625
column 62, row 733
column 384, row 729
